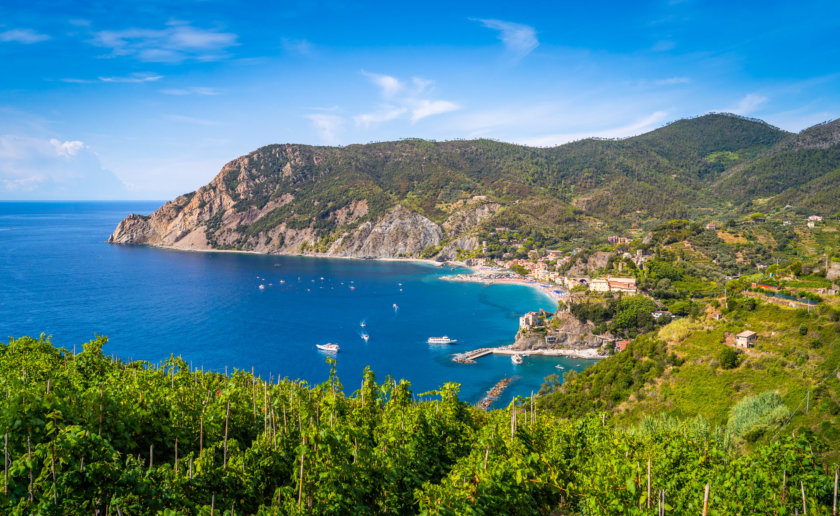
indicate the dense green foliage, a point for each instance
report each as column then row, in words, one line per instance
column 88, row 433
column 684, row 170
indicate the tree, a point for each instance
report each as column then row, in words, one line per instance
column 729, row 358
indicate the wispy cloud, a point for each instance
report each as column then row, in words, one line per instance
column 410, row 99
column 175, row 43
column 298, row 46
column 639, row 126
column 749, row 104
column 25, row 36
column 193, row 90
column 672, row 81
column 519, row 40
column 328, row 126
column 190, row 120
column 134, row 78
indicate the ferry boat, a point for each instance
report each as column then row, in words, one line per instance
column 441, row 340
column 516, row 359
column 329, row 347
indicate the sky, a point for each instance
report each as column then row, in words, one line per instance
column 146, row 100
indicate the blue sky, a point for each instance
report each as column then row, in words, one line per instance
column 143, row 100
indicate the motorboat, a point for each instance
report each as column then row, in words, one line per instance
column 328, row 347
column 441, row 340
column 517, row 359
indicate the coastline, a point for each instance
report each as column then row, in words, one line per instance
column 469, row 357
column 484, row 277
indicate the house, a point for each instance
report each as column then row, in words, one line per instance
column 618, row 240
column 476, row 198
column 815, row 218
column 811, row 224
column 626, row 285
column 502, row 230
column 529, row 320
column 662, row 313
column 711, row 226
column 554, row 254
column 599, row 285
column 621, row 345
column 746, row 339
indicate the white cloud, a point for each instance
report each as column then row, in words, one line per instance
column 672, row 81
column 298, row 46
column 134, row 78
column 640, row 126
column 25, row 36
column 193, row 90
column 68, row 148
column 177, row 42
column 385, row 114
column 390, row 85
column 328, row 126
column 412, row 99
column 426, row 108
column 37, row 168
column 519, row 40
column 749, row 104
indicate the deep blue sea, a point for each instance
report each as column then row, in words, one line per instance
column 58, row 276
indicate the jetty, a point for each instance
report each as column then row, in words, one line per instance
column 494, row 393
column 470, row 356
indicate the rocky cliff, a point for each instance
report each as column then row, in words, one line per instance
column 567, row 333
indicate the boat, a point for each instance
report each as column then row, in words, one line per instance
column 516, row 359
column 396, row 307
column 441, row 340
column 365, row 337
column 262, row 287
column 558, row 366
column 362, row 324
column 328, row 347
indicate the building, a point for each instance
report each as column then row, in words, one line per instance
column 571, row 282
column 618, row 240
column 554, row 254
column 711, row 226
column 599, row 285
column 529, row 320
column 815, row 218
column 476, row 198
column 625, row 285
column 662, row 313
column 746, row 339
column 621, row 345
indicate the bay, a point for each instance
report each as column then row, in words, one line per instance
column 57, row 276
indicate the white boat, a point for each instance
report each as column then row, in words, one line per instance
column 262, row 287
column 329, row 347
column 441, row 340
column 365, row 337
column 516, row 359
column 396, row 307
column 558, row 366
column 362, row 324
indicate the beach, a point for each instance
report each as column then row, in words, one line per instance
column 495, row 276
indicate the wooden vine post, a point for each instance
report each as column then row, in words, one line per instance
column 834, row 504
column 706, row 501
column 804, row 506
column 648, row 484
column 227, row 418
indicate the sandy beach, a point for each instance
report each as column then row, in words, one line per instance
column 489, row 276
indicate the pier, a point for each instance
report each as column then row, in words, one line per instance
column 470, row 356
column 494, row 393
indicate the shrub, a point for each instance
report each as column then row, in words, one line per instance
column 753, row 414
column 803, row 330
column 729, row 358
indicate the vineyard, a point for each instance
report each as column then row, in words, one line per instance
column 89, row 434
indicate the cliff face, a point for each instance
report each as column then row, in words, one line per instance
column 292, row 209
column 570, row 334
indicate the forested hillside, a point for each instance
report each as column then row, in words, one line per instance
column 304, row 199
column 88, row 434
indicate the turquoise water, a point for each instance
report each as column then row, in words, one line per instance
column 57, row 276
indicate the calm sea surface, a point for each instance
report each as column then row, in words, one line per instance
column 57, row 276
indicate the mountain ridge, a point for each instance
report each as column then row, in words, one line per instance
column 409, row 194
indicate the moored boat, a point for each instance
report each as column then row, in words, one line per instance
column 328, row 347
column 517, row 359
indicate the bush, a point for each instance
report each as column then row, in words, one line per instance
column 729, row 358
column 803, row 330
column 753, row 414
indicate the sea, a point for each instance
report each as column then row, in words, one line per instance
column 60, row 278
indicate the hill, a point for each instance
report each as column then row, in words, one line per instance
column 420, row 198
column 85, row 433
